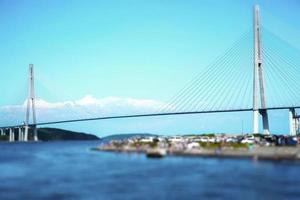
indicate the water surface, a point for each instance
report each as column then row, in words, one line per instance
column 69, row 170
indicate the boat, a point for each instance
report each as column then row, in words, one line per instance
column 156, row 153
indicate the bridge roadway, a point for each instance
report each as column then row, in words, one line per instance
column 148, row 115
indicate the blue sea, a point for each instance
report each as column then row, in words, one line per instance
column 70, row 170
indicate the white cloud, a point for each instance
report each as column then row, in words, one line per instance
column 86, row 107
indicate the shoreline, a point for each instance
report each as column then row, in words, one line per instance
column 255, row 153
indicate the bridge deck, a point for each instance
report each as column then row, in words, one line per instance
column 147, row 115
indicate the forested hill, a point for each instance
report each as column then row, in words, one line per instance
column 54, row 134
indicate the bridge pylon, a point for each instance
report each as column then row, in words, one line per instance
column 11, row 134
column 258, row 80
column 20, row 134
column 297, row 126
column 31, row 106
column 293, row 122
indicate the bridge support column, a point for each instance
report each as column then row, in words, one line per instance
column 258, row 79
column 20, row 133
column 11, row 134
column 26, row 128
column 297, row 126
column 255, row 121
column 31, row 106
column 2, row 132
column 35, row 134
column 292, row 121
column 265, row 120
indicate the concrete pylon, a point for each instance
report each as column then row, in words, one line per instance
column 26, row 129
column 20, row 133
column 255, row 75
column 265, row 121
column 297, row 126
column 2, row 131
column 293, row 122
column 31, row 106
column 258, row 80
column 11, row 135
column 35, row 134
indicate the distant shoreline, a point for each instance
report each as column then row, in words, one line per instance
column 250, row 146
column 258, row 153
column 55, row 134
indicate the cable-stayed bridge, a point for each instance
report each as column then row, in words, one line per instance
column 251, row 76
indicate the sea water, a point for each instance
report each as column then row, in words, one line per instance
column 70, row 170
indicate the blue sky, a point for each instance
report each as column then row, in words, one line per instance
column 128, row 49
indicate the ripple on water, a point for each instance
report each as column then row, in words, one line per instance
column 68, row 170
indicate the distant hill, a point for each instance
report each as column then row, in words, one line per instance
column 54, row 134
column 126, row 136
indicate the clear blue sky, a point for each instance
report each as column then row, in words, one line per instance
column 125, row 48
